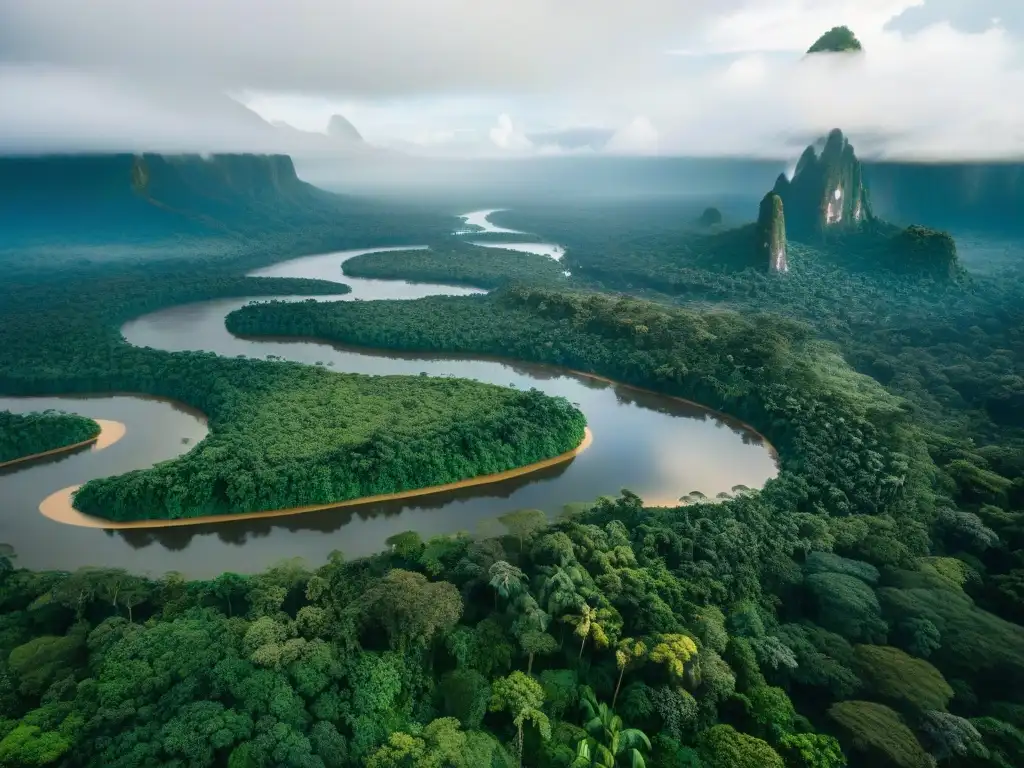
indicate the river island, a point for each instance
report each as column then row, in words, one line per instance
column 59, row 506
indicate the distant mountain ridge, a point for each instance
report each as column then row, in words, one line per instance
column 339, row 127
column 127, row 197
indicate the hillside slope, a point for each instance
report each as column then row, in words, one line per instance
column 124, row 197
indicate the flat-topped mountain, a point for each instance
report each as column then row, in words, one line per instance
column 115, row 197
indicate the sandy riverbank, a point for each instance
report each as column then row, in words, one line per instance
column 110, row 433
column 57, row 506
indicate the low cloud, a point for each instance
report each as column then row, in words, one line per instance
column 939, row 93
column 384, row 48
column 43, row 109
column 583, row 138
column 549, row 72
column 638, row 137
column 506, row 136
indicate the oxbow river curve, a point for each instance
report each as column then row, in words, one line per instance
column 659, row 447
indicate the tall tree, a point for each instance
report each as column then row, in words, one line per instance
column 589, row 622
column 411, row 609
column 534, row 642
column 523, row 523
column 627, row 651
column 228, row 585
column 507, row 580
column 522, row 697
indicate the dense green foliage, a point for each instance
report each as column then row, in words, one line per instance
column 306, row 436
column 458, row 263
column 891, row 503
column 858, row 610
column 880, row 732
column 27, row 434
column 282, row 434
column 418, row 657
column 918, row 248
column 764, row 370
column 836, row 40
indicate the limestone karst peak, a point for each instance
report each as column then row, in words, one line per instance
column 837, row 40
column 826, row 193
column 771, row 233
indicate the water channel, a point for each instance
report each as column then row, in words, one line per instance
column 658, row 447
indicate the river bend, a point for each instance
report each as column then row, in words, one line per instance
column 658, row 447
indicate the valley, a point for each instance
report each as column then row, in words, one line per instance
column 660, row 447
column 524, row 385
column 752, row 487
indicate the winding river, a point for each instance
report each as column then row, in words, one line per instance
column 482, row 225
column 658, row 447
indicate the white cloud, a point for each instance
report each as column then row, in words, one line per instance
column 638, row 137
column 506, row 136
column 353, row 47
column 792, row 25
column 941, row 91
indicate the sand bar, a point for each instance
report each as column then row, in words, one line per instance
column 57, row 506
column 110, row 433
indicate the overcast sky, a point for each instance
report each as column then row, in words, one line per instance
column 513, row 77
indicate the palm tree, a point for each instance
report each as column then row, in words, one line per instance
column 507, row 580
column 534, row 642
column 560, row 589
column 627, row 651
column 589, row 622
column 559, row 593
column 529, row 614
column 608, row 744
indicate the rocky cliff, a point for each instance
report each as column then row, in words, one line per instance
column 826, row 193
column 771, row 233
column 826, row 205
